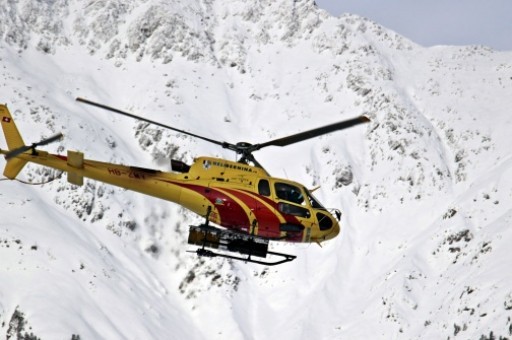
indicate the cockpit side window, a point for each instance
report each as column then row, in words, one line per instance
column 290, row 193
column 263, row 187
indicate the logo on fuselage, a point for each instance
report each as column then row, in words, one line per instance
column 206, row 164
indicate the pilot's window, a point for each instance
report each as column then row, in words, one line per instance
column 289, row 193
column 294, row 210
column 264, row 187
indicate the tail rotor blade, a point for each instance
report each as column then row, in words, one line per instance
column 26, row 148
column 51, row 139
column 17, row 152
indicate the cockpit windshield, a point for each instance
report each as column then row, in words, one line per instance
column 290, row 193
column 297, row 195
column 314, row 202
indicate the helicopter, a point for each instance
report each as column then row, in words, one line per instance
column 248, row 207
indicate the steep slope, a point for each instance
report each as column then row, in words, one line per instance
column 424, row 188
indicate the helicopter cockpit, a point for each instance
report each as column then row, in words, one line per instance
column 298, row 201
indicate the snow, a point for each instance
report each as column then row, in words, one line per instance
column 425, row 188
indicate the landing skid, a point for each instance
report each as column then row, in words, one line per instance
column 228, row 241
column 208, row 253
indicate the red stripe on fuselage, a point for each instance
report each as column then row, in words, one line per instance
column 292, row 237
column 288, row 218
column 268, row 221
column 232, row 215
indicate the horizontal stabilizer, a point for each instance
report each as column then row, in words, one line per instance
column 13, row 167
column 75, row 178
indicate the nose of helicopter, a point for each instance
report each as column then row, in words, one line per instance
column 333, row 232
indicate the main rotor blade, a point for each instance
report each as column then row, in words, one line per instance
column 25, row 148
column 124, row 113
column 299, row 137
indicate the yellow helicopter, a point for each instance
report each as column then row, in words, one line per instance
column 251, row 206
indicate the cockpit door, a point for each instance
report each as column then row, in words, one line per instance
column 294, row 208
column 264, row 211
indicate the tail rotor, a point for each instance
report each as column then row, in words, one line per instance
column 25, row 148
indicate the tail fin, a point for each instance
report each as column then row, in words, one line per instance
column 11, row 133
column 14, row 141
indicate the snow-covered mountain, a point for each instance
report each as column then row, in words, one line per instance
column 425, row 188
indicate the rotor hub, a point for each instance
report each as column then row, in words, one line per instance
column 243, row 147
